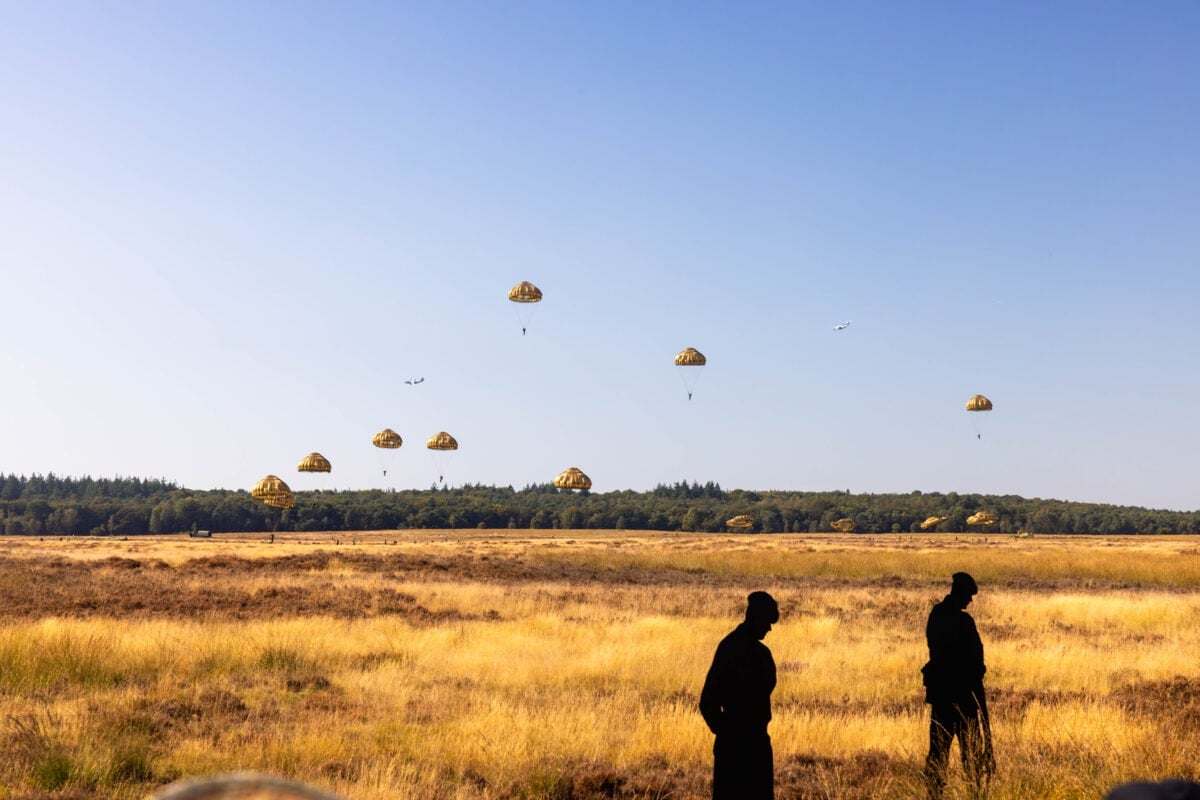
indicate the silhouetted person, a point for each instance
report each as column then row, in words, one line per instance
column 1174, row 789
column 736, row 705
column 954, row 691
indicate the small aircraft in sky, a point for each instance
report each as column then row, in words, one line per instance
column 414, row 381
column 841, row 326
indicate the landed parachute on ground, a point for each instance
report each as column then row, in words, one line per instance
column 524, row 292
column 983, row 518
column 314, row 462
column 273, row 492
column 742, row 521
column 843, row 525
column 932, row 522
column 690, row 357
column 572, row 478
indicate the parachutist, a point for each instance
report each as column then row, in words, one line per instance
column 689, row 395
column 522, row 331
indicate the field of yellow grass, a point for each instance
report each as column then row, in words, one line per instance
column 567, row 664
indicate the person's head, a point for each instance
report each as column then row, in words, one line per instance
column 761, row 613
column 963, row 588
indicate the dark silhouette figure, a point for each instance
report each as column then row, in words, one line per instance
column 954, row 691
column 736, row 705
column 1174, row 789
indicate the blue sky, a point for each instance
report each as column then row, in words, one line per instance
column 229, row 232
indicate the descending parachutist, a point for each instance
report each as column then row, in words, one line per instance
column 689, row 395
column 522, row 331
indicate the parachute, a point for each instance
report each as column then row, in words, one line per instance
column 273, row 492
column 742, row 521
column 572, row 478
column 690, row 357
column 983, row 518
column 314, row 462
column 525, row 292
column 979, row 403
column 931, row 522
column 387, row 440
column 442, row 446
column 843, row 525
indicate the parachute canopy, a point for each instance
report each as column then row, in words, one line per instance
column 741, row 520
column 979, row 403
column 281, row 501
column 931, row 522
column 274, row 492
column 572, row 478
column 387, row 439
column 269, row 487
column 983, row 518
column 314, row 462
column 442, row 441
column 690, row 357
column 843, row 525
column 525, row 292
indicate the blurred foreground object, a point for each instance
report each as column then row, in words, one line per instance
column 242, row 786
column 1167, row 790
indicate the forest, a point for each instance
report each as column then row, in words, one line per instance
column 51, row 505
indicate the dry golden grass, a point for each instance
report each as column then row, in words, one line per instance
column 481, row 664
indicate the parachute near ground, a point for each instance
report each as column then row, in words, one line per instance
column 273, row 492
column 931, row 522
column 573, row 478
column 983, row 518
column 314, row 462
column 524, row 292
column 690, row 357
column 740, row 521
column 843, row 525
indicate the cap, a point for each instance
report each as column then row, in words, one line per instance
column 962, row 583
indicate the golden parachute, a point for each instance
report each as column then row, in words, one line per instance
column 387, row 438
column 932, row 522
column 442, row 441
column 281, row 501
column 742, row 521
column 314, row 462
column 979, row 403
column 524, row 292
column 269, row 486
column 843, row 525
column 983, row 518
column 274, row 492
column 572, row 478
column 690, row 357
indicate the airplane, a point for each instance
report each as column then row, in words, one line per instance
column 842, row 325
column 414, row 381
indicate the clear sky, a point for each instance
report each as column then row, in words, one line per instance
column 229, row 231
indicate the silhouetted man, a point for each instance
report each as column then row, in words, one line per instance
column 736, row 705
column 954, row 691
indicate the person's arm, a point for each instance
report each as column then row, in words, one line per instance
column 712, row 696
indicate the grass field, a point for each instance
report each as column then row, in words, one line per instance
column 482, row 664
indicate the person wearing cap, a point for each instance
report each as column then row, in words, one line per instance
column 954, row 691
column 736, row 705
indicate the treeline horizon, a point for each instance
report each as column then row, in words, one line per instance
column 50, row 505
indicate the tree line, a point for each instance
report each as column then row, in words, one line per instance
column 50, row 505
